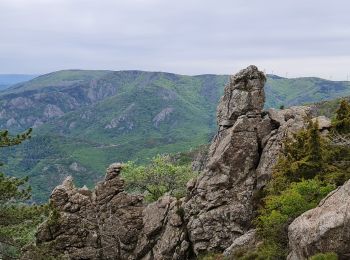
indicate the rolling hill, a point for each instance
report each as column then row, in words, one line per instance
column 84, row 120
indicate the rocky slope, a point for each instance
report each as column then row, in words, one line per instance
column 216, row 214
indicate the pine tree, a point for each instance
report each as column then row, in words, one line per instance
column 11, row 189
column 16, row 218
column 342, row 120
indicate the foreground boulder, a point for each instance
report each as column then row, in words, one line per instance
column 325, row 228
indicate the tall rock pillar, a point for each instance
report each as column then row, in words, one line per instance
column 220, row 205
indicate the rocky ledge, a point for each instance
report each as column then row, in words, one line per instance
column 216, row 214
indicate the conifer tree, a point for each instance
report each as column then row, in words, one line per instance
column 11, row 189
column 17, row 219
column 342, row 120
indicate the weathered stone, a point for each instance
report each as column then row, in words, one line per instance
column 243, row 94
column 324, row 123
column 100, row 224
column 224, row 192
column 286, row 123
column 244, row 243
column 325, row 228
column 164, row 234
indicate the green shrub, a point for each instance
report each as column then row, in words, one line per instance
column 305, row 173
column 324, row 256
column 211, row 256
column 280, row 210
column 157, row 178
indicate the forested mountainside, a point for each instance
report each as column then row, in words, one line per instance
column 84, row 120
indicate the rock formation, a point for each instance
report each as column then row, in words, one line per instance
column 100, row 224
column 325, row 228
column 285, row 123
column 108, row 223
column 220, row 206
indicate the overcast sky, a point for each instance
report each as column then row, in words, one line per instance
column 285, row 37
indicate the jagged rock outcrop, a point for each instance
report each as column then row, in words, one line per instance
column 108, row 223
column 164, row 234
column 325, row 228
column 220, row 205
column 286, row 123
column 217, row 213
column 100, row 224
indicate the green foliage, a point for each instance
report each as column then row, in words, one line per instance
column 306, row 156
column 280, row 210
column 211, row 256
column 325, row 256
column 11, row 188
column 53, row 216
column 17, row 220
column 157, row 178
column 342, row 119
column 7, row 140
column 329, row 108
column 266, row 251
column 308, row 169
column 43, row 252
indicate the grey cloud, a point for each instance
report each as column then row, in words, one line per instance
column 183, row 36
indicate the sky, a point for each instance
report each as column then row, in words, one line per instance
column 290, row 38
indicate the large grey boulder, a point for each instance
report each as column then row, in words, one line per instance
column 325, row 228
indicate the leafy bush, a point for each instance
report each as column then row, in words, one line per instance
column 280, row 210
column 157, row 178
column 325, row 256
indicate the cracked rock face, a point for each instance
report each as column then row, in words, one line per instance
column 285, row 123
column 108, row 223
column 99, row 224
column 220, row 206
column 243, row 94
column 324, row 228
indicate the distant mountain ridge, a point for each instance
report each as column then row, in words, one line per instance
column 84, row 120
column 7, row 80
